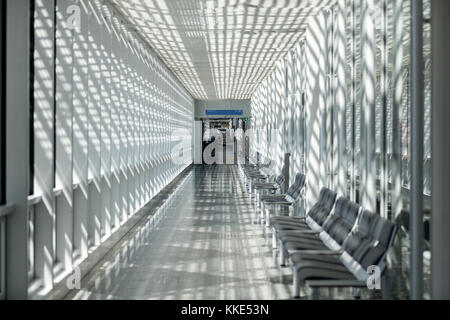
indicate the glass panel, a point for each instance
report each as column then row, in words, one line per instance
column 2, row 150
column 357, row 93
column 350, row 98
column 427, row 147
column 427, row 106
column 379, row 98
column 2, row 107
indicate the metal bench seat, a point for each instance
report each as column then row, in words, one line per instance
column 289, row 199
column 326, row 200
column 367, row 246
column 335, row 231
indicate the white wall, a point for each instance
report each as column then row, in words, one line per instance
column 112, row 127
column 287, row 124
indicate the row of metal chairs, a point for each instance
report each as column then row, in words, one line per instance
column 266, row 191
column 336, row 244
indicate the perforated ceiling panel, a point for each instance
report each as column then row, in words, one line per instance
column 220, row 49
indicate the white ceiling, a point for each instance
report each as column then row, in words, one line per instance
column 220, row 49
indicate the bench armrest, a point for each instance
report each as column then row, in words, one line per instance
column 305, row 231
column 256, row 174
column 268, row 187
column 317, row 252
column 279, row 203
column 322, row 252
column 296, row 218
column 336, row 284
column 268, row 197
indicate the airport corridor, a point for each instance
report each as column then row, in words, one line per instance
column 224, row 150
column 201, row 243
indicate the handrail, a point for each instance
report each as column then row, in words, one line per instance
column 35, row 199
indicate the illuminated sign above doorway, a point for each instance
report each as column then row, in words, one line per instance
column 224, row 112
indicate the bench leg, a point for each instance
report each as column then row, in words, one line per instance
column 267, row 217
column 261, row 216
column 386, row 285
column 283, row 255
column 296, row 283
column 274, row 239
column 356, row 293
column 314, row 294
column 256, row 212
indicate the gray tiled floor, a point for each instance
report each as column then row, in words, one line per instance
column 201, row 244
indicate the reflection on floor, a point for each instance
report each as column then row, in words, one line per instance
column 201, row 244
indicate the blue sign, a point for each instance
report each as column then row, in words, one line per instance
column 224, row 112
